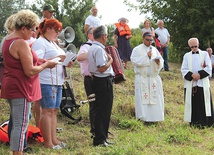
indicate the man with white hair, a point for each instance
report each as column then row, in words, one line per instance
column 196, row 69
column 164, row 37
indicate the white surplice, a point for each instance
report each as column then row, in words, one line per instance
column 149, row 99
column 193, row 63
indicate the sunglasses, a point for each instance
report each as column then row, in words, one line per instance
column 56, row 30
column 193, row 46
column 34, row 30
column 149, row 39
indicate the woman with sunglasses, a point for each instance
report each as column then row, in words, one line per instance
column 51, row 80
column 149, row 99
column 20, row 83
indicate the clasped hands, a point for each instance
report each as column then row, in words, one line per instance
column 196, row 76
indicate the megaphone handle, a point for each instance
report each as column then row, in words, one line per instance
column 64, row 70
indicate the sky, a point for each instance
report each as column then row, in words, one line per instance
column 112, row 10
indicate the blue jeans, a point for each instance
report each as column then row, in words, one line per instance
column 51, row 96
column 165, row 57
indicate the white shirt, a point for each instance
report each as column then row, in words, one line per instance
column 163, row 35
column 212, row 59
column 97, row 58
column 48, row 50
column 92, row 21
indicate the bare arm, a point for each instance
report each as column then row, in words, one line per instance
column 115, row 41
column 168, row 40
column 129, row 36
column 153, row 33
column 21, row 50
column 86, row 27
column 82, row 57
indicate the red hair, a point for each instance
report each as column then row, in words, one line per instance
column 49, row 23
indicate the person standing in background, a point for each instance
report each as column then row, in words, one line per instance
column 164, row 37
column 210, row 51
column 148, row 28
column 47, row 12
column 82, row 58
column 196, row 69
column 122, row 36
column 92, row 20
column 149, row 99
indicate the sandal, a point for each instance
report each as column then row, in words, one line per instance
column 62, row 144
column 56, row 147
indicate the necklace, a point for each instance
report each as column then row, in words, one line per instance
column 54, row 91
column 46, row 39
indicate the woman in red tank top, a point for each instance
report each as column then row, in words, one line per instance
column 20, row 83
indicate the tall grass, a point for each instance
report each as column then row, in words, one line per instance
column 171, row 137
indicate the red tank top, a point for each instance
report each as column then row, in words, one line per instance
column 15, row 84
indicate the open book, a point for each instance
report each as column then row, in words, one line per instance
column 69, row 56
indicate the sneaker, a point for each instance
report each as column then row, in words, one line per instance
column 56, row 147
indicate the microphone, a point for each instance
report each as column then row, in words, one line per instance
column 150, row 48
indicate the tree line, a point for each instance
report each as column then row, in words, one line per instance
column 184, row 19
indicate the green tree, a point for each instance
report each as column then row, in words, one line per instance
column 136, row 37
column 7, row 8
column 71, row 13
column 184, row 19
column 111, row 29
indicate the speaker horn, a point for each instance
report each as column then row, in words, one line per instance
column 67, row 34
column 70, row 48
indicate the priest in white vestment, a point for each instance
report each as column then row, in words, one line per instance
column 149, row 99
column 196, row 69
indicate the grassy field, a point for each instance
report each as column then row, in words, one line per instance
column 171, row 137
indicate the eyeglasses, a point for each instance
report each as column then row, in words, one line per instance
column 35, row 29
column 193, row 46
column 149, row 39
